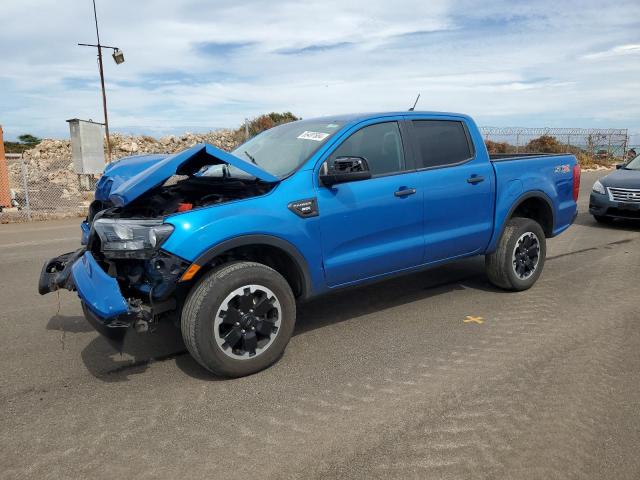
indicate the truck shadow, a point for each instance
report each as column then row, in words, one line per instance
column 116, row 362
column 138, row 351
column 69, row 324
column 358, row 301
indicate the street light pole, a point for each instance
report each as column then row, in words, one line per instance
column 119, row 58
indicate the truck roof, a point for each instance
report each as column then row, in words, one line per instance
column 358, row 117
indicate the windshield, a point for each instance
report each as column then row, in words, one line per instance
column 633, row 164
column 282, row 149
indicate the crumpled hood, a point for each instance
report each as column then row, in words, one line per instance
column 119, row 171
column 130, row 177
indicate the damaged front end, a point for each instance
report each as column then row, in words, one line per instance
column 117, row 295
column 123, row 277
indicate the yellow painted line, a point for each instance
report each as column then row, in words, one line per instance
column 472, row 319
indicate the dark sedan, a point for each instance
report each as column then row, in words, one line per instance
column 617, row 195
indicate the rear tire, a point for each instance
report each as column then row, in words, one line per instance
column 519, row 259
column 238, row 319
column 604, row 220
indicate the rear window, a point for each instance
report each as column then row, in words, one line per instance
column 441, row 142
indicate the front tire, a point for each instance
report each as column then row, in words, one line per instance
column 519, row 259
column 238, row 319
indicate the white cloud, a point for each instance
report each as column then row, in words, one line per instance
column 633, row 49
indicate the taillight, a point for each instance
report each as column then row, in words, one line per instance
column 576, row 181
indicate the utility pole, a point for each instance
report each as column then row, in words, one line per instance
column 104, row 93
column 118, row 56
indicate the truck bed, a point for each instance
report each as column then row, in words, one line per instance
column 549, row 174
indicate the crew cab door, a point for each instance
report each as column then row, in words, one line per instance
column 372, row 227
column 458, row 185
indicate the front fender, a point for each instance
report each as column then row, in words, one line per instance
column 264, row 220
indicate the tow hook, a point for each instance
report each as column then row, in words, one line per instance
column 141, row 326
column 142, row 316
column 145, row 315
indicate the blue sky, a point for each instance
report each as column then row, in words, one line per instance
column 196, row 65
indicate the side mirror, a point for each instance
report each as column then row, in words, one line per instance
column 620, row 165
column 344, row 169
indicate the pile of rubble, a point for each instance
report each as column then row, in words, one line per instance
column 123, row 145
column 47, row 164
column 54, row 185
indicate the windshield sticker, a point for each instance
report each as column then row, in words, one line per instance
column 315, row 136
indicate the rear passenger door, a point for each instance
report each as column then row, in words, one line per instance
column 372, row 227
column 458, row 186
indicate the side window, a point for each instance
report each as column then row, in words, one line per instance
column 379, row 144
column 441, row 142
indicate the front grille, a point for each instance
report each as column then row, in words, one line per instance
column 626, row 195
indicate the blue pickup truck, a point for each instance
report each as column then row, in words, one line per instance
column 225, row 244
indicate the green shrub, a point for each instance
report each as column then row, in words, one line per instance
column 499, row 147
column 545, row 144
column 25, row 142
column 262, row 123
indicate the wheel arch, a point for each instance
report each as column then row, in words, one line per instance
column 269, row 250
column 535, row 205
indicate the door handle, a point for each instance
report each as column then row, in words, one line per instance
column 405, row 192
column 475, row 179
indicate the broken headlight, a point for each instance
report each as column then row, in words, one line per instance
column 127, row 235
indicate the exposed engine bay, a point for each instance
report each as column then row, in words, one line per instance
column 182, row 193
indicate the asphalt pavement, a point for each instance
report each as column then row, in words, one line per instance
column 432, row 375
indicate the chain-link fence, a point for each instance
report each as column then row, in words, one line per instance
column 44, row 188
column 597, row 143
